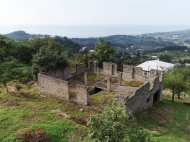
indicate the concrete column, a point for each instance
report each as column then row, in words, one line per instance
column 109, row 84
column 86, row 78
column 98, row 73
column 119, row 78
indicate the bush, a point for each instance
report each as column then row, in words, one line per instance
column 110, row 126
column 114, row 124
column 18, row 87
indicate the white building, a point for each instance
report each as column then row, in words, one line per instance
column 156, row 65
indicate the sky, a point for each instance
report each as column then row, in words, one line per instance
column 94, row 12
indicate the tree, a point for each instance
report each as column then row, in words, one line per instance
column 2, row 55
column 114, row 124
column 104, row 52
column 174, row 79
column 127, row 62
column 23, row 52
column 50, row 57
column 14, row 70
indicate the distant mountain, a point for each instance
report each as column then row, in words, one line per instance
column 22, row 35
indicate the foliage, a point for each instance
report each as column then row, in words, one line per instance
column 103, row 52
column 139, row 134
column 124, row 41
column 23, row 52
column 18, row 87
column 14, row 70
column 2, row 55
column 113, row 125
column 177, row 79
column 68, row 44
column 109, row 126
column 48, row 58
column 127, row 62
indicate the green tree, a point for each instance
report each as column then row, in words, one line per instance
column 174, row 79
column 23, row 52
column 14, row 70
column 104, row 52
column 114, row 124
column 2, row 55
column 50, row 57
column 127, row 62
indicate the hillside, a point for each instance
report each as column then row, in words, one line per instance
column 22, row 35
column 123, row 41
column 26, row 109
column 126, row 41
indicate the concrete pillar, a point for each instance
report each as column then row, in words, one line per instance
column 109, row 84
column 119, row 78
column 98, row 73
column 86, row 78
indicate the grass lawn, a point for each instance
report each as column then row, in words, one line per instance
column 167, row 121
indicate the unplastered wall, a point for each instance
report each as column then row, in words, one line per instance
column 136, row 73
column 53, row 87
column 82, row 95
column 63, row 73
column 80, row 68
column 109, row 69
column 93, row 65
column 143, row 96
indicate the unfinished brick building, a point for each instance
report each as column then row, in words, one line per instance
column 58, row 84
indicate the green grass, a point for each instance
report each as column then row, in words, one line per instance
column 133, row 83
column 34, row 111
column 168, row 121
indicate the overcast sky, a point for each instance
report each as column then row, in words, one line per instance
column 94, row 12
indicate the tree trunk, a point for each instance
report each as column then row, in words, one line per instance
column 173, row 95
column 178, row 95
column 5, row 85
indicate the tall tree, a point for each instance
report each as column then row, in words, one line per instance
column 48, row 58
column 104, row 52
column 175, row 80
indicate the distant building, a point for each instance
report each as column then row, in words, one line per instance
column 156, row 65
column 154, row 57
column 31, row 38
column 83, row 49
column 92, row 51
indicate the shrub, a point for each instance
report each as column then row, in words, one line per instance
column 114, row 124
column 18, row 87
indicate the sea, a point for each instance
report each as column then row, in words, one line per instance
column 86, row 31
